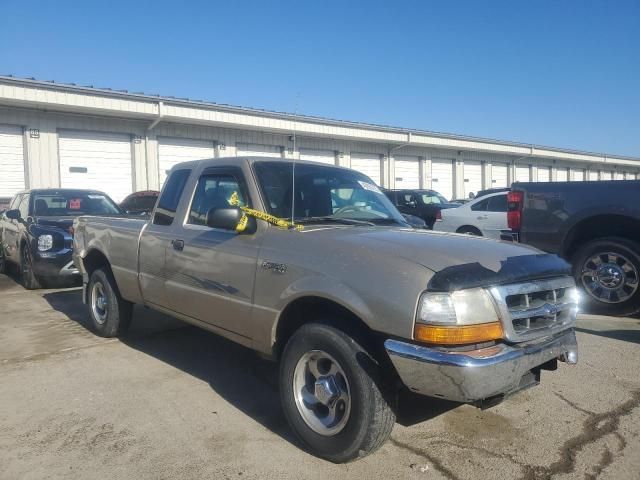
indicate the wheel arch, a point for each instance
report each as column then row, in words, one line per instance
column 319, row 309
column 466, row 228
column 600, row 226
column 94, row 259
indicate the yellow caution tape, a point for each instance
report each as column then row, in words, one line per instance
column 273, row 220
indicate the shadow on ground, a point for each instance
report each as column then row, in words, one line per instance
column 236, row 373
column 630, row 335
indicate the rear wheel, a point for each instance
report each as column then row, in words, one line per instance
column 29, row 279
column 110, row 313
column 608, row 269
column 331, row 394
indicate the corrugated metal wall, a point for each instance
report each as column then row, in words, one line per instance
column 43, row 166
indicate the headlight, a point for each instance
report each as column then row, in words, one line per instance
column 457, row 318
column 45, row 242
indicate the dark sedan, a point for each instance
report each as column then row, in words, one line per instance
column 424, row 204
column 36, row 232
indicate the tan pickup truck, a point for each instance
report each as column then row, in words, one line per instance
column 323, row 275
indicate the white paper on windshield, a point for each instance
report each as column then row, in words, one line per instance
column 369, row 186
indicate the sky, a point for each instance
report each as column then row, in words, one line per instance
column 557, row 73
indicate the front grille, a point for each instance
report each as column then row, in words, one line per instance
column 538, row 308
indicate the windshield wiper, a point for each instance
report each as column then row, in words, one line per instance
column 330, row 219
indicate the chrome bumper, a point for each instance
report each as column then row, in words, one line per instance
column 479, row 374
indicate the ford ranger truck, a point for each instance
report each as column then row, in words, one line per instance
column 324, row 275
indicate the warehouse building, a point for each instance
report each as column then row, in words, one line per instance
column 60, row 135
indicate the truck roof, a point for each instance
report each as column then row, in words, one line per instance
column 250, row 159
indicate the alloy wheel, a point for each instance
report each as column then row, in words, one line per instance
column 322, row 393
column 609, row 277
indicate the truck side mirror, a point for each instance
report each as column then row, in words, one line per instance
column 13, row 214
column 224, row 218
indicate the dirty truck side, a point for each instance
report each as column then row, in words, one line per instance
column 353, row 303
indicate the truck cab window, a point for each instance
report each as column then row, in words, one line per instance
column 213, row 191
column 168, row 202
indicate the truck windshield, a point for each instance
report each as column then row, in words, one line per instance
column 63, row 204
column 324, row 193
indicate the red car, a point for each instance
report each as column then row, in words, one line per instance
column 140, row 203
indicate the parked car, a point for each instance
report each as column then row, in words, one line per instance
column 425, row 204
column 485, row 216
column 36, row 235
column 489, row 191
column 353, row 304
column 595, row 226
column 140, row 203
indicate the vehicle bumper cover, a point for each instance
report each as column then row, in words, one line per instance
column 54, row 264
column 479, row 374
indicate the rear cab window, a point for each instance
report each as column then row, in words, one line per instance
column 168, row 202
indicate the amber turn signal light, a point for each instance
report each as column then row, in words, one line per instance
column 458, row 335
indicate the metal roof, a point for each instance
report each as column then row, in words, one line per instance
column 52, row 84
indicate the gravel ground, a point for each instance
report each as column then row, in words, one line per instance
column 171, row 401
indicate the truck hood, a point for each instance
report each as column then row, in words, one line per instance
column 458, row 261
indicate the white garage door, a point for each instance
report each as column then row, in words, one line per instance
column 606, row 175
column 175, row 150
column 499, row 177
column 618, row 176
column 256, row 150
column 442, row 177
column 11, row 160
column 561, row 175
column 472, row 175
column 544, row 174
column 592, row 175
column 321, row 156
column 577, row 175
column 369, row 164
column 407, row 171
column 523, row 174
column 101, row 161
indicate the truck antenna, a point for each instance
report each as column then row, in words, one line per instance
column 293, row 166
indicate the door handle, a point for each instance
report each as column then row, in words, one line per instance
column 483, row 217
column 177, row 245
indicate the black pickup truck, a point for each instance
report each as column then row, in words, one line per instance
column 593, row 225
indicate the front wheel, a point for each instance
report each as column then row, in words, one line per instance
column 608, row 269
column 110, row 313
column 331, row 394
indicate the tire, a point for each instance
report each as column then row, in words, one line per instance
column 110, row 313
column 608, row 270
column 468, row 230
column 3, row 262
column 364, row 417
column 29, row 279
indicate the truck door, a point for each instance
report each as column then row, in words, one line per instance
column 156, row 239
column 212, row 271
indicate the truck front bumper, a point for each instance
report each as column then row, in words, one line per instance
column 478, row 375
